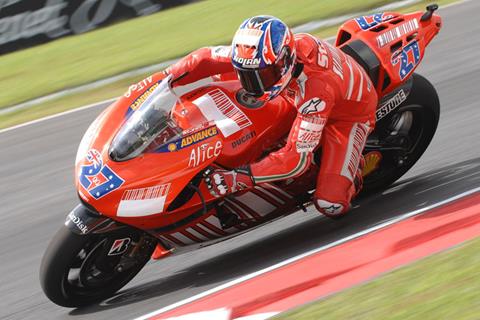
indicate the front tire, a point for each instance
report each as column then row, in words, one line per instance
column 76, row 270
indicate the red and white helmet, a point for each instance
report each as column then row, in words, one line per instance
column 263, row 55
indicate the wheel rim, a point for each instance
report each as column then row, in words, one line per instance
column 85, row 277
column 409, row 151
column 90, row 275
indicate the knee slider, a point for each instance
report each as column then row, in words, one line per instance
column 331, row 209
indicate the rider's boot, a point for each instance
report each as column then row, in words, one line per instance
column 227, row 219
column 334, row 192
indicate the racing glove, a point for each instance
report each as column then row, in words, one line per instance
column 221, row 183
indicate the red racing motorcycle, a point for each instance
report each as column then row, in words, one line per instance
column 140, row 165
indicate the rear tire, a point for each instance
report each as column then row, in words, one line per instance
column 424, row 104
column 68, row 252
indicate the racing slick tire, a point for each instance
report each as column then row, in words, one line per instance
column 422, row 110
column 71, row 274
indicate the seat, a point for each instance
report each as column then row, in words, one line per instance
column 362, row 53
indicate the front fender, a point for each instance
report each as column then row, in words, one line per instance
column 82, row 221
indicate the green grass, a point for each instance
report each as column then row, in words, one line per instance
column 154, row 54
column 442, row 286
column 66, row 103
column 128, row 45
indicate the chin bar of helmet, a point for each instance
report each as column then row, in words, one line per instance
column 251, row 81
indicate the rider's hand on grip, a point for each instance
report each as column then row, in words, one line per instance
column 221, row 182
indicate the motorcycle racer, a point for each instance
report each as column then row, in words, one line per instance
column 334, row 98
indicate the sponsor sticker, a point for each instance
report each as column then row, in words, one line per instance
column 143, row 201
column 78, row 222
column 97, row 178
column 396, row 33
column 310, row 128
column 372, row 162
column 138, row 102
column 306, row 146
column 248, row 37
column 367, row 22
column 203, row 153
column 198, row 136
column 243, row 139
column 408, row 58
column 190, row 139
column 391, row 104
column 309, row 133
column 119, row 246
column 138, row 86
column 247, row 62
column 216, row 106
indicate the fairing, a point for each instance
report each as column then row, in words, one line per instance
column 142, row 152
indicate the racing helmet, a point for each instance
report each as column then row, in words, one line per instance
column 263, row 56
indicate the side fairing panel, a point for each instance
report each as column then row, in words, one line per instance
column 215, row 127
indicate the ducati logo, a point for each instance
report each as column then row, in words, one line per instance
column 119, row 246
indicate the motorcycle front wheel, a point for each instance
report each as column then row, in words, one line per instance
column 78, row 270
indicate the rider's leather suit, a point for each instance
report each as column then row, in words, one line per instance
column 336, row 105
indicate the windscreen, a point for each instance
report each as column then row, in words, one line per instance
column 151, row 122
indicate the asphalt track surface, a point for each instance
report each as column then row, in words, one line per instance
column 36, row 192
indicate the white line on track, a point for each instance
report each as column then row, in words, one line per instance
column 96, row 104
column 309, row 253
column 111, row 100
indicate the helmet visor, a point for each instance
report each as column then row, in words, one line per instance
column 257, row 81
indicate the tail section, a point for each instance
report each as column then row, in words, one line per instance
column 389, row 45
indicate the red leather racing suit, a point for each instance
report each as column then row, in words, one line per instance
column 336, row 105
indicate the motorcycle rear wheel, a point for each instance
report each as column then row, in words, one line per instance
column 422, row 109
column 76, row 270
